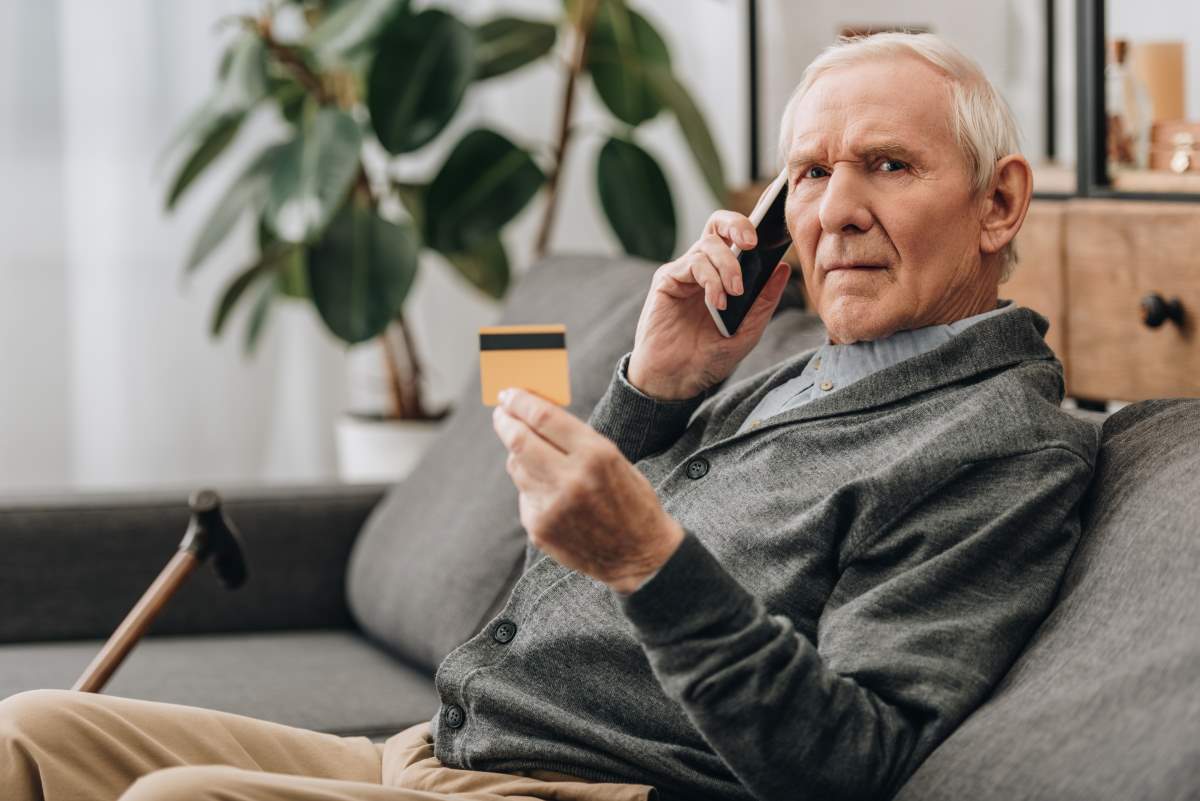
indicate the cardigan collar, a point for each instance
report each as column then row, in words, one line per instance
column 994, row 343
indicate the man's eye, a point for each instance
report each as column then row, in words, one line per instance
column 816, row 172
column 892, row 165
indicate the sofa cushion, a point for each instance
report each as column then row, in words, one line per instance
column 1105, row 701
column 329, row 680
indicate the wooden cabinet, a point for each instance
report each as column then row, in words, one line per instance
column 1038, row 281
column 1088, row 266
column 1118, row 254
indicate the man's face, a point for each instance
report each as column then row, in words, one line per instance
column 880, row 204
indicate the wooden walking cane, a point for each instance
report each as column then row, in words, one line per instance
column 210, row 533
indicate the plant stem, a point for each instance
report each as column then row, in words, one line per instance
column 395, row 382
column 290, row 59
column 405, row 387
column 414, row 373
column 583, row 32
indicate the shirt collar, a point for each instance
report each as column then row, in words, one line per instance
column 840, row 365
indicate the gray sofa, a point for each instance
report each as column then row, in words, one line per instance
column 357, row 592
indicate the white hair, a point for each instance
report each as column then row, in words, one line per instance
column 981, row 120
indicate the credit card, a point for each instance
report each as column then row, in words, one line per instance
column 529, row 357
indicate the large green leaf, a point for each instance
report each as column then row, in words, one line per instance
column 636, row 200
column 293, row 274
column 350, row 26
column 290, row 262
column 198, row 122
column 242, row 82
column 485, row 182
column 233, row 292
column 360, row 272
column 485, row 267
column 258, row 314
column 413, row 198
column 418, row 78
column 508, row 43
column 313, row 175
column 248, row 191
column 290, row 97
column 695, row 130
column 212, row 144
column 225, row 62
column 623, row 46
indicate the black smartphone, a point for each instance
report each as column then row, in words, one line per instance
column 757, row 264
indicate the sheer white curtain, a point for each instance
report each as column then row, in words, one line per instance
column 109, row 376
column 34, row 408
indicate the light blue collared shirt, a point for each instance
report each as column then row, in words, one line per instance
column 835, row 367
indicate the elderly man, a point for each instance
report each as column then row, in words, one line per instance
column 793, row 587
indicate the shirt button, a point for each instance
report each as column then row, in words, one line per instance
column 455, row 717
column 756, row 424
column 697, row 468
column 504, row 632
column 826, row 385
column 817, row 363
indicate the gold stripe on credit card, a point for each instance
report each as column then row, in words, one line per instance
column 530, row 357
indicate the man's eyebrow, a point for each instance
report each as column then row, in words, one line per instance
column 889, row 149
column 866, row 151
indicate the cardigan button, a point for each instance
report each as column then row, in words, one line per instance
column 455, row 717
column 697, row 468
column 504, row 632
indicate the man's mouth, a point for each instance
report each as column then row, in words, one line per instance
column 853, row 265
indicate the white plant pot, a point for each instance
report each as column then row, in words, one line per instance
column 381, row 450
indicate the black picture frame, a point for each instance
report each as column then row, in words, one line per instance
column 1091, row 129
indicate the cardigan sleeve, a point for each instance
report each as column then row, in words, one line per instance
column 927, row 614
column 639, row 424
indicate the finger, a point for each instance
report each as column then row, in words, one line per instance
column 734, row 228
column 558, row 427
column 519, row 475
column 723, row 259
column 535, row 457
column 707, row 276
column 695, row 269
column 764, row 305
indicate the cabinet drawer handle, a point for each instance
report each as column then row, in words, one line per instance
column 1156, row 310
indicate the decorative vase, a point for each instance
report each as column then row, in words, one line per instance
column 377, row 450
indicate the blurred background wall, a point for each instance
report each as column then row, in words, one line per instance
column 109, row 376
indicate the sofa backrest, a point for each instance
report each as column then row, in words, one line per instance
column 440, row 553
column 1105, row 701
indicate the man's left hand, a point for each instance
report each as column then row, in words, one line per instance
column 581, row 501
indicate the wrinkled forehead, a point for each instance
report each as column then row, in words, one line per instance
column 903, row 100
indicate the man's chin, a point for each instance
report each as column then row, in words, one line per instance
column 856, row 319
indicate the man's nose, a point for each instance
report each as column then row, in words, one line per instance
column 844, row 206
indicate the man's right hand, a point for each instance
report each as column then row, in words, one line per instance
column 678, row 351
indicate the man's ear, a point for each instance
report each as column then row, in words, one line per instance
column 1005, row 206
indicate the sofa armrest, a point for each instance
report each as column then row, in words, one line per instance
column 72, row 565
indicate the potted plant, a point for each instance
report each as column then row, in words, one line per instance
column 359, row 85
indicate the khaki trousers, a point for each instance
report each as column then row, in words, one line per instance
column 59, row 745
